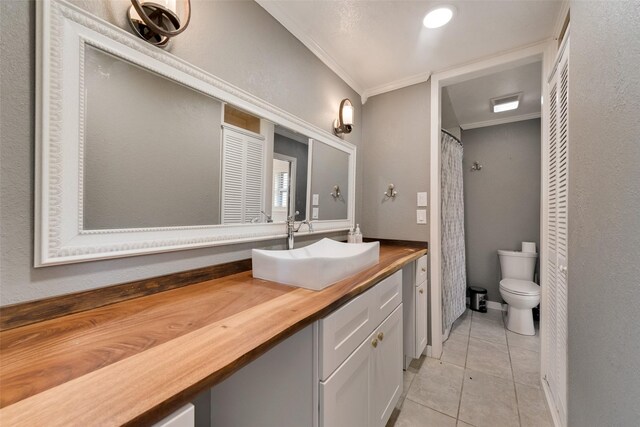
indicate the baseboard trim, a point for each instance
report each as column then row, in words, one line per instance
column 550, row 404
column 493, row 305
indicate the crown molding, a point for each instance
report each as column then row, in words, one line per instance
column 394, row 85
column 501, row 121
column 280, row 14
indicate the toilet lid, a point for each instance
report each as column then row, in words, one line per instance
column 520, row 287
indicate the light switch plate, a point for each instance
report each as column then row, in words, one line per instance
column 314, row 214
column 422, row 199
column 421, row 216
column 315, row 200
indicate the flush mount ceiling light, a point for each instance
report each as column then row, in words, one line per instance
column 506, row 103
column 344, row 122
column 438, row 17
column 157, row 21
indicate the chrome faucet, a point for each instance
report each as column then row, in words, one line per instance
column 291, row 229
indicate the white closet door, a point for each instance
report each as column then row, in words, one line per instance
column 243, row 165
column 556, row 302
column 232, row 177
column 562, row 230
column 253, row 184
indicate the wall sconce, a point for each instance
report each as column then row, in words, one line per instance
column 344, row 122
column 156, row 21
column 391, row 192
column 336, row 192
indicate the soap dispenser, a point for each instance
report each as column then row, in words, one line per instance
column 351, row 237
column 358, row 235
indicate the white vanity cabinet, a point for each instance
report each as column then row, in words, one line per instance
column 343, row 370
column 414, row 288
column 366, row 384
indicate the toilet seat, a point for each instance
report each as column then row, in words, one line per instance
column 520, row 287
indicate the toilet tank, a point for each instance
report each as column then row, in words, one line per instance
column 517, row 265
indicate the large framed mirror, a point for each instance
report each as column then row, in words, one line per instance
column 140, row 152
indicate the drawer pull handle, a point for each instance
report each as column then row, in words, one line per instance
column 381, row 336
column 421, row 291
column 374, row 343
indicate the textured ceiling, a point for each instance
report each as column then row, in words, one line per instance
column 381, row 45
column 471, row 99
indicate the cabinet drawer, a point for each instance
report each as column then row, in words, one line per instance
column 421, row 270
column 342, row 331
column 387, row 296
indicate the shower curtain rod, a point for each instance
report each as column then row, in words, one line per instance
column 451, row 135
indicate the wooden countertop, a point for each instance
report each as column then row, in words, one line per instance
column 138, row 360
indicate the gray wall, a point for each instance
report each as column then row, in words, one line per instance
column 502, row 201
column 291, row 148
column 448, row 119
column 237, row 41
column 396, row 135
column 604, row 214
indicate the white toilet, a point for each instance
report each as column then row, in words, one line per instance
column 518, row 290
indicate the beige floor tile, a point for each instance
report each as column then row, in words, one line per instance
column 415, row 415
column 490, row 315
column 437, row 386
column 462, row 324
column 463, row 424
column 531, row 343
column 533, row 408
column 490, row 358
column 488, row 331
column 488, row 401
column 407, row 379
column 454, row 350
column 526, row 366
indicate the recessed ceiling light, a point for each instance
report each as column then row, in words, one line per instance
column 438, row 17
column 505, row 103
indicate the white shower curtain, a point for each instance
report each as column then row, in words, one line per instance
column 454, row 275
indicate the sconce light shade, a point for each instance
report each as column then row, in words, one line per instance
column 344, row 122
column 156, row 21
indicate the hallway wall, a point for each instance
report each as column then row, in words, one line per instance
column 604, row 214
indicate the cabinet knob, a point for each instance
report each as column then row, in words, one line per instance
column 421, row 291
column 424, row 270
column 381, row 336
column 374, row 342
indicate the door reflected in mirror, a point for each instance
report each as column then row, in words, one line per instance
column 290, row 153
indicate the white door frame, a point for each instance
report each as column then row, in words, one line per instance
column 540, row 51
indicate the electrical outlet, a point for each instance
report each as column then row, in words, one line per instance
column 314, row 214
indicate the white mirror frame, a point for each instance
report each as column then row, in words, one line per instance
column 63, row 32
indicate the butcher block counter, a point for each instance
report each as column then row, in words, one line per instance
column 135, row 361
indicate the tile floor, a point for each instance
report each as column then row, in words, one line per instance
column 487, row 376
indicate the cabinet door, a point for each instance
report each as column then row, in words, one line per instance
column 344, row 397
column 421, row 319
column 386, row 368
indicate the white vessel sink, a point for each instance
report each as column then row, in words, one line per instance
column 315, row 266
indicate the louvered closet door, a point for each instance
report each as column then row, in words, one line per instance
column 242, row 176
column 563, row 182
column 556, row 268
column 254, row 171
